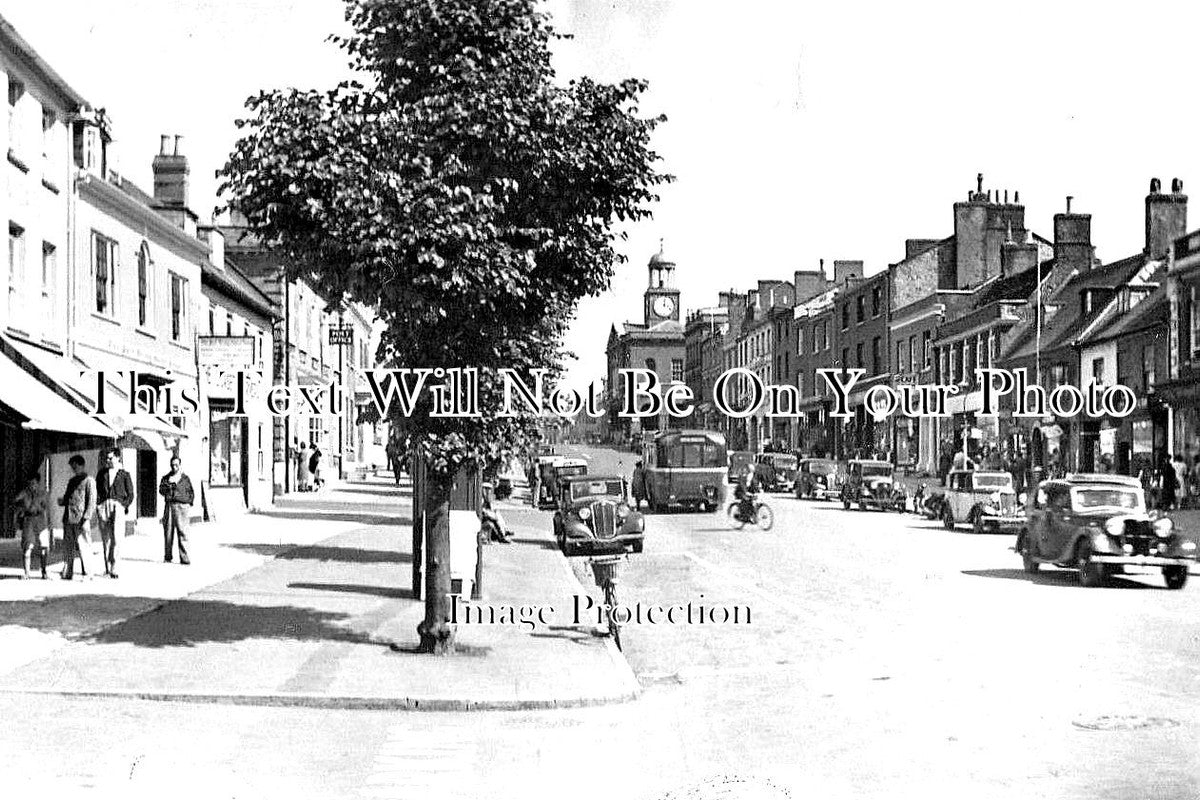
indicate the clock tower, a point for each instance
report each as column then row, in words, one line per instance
column 662, row 298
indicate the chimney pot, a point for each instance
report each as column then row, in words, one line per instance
column 178, row 145
column 1016, row 197
column 1176, row 185
column 164, row 144
column 1006, row 197
column 979, row 182
column 1155, row 186
column 1069, row 199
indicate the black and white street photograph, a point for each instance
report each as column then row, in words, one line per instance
column 593, row 399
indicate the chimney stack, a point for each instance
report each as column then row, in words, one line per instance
column 1166, row 217
column 171, row 173
column 1073, row 239
column 847, row 270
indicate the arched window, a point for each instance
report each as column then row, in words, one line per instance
column 143, row 283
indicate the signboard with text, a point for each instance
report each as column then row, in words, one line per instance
column 341, row 336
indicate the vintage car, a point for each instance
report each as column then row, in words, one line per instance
column 594, row 517
column 871, row 484
column 1099, row 526
column 561, row 470
column 740, row 461
column 818, row 479
column 983, row 499
column 778, row 471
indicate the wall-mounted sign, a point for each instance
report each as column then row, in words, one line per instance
column 341, row 336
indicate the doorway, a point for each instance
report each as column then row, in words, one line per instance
column 147, row 483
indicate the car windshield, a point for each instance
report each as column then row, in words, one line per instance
column 581, row 490
column 568, row 471
column 1109, row 497
column 822, row 467
column 877, row 470
column 784, row 462
column 993, row 481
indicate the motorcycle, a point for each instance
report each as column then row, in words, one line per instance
column 763, row 516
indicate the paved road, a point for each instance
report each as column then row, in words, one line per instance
column 885, row 657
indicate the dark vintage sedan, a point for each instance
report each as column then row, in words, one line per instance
column 872, row 484
column 594, row 517
column 1099, row 526
column 817, row 479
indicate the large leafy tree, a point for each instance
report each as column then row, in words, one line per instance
column 462, row 191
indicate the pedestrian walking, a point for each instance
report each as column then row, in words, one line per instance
column 79, row 507
column 31, row 515
column 1180, row 468
column 177, row 492
column 638, row 484
column 114, row 494
column 1168, row 485
column 315, row 469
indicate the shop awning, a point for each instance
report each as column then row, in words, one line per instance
column 42, row 408
column 68, row 375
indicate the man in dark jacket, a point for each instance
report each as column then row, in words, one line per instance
column 114, row 494
column 176, row 489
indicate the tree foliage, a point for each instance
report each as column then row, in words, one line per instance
column 456, row 187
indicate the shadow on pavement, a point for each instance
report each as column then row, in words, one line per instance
column 320, row 552
column 189, row 622
column 356, row 588
column 72, row 615
column 382, row 491
column 1066, row 578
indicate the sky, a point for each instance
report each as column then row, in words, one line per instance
column 797, row 130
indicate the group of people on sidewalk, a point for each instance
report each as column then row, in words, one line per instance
column 310, row 474
column 106, row 499
column 1175, row 484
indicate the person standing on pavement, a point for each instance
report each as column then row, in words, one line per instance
column 1168, row 485
column 79, row 506
column 114, row 493
column 314, row 468
column 302, row 479
column 638, row 484
column 176, row 489
column 32, row 517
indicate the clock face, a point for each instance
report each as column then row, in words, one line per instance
column 663, row 306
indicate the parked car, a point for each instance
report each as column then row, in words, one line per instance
column 594, row 517
column 871, row 484
column 739, row 460
column 778, row 471
column 565, row 468
column 818, row 479
column 1099, row 526
column 986, row 500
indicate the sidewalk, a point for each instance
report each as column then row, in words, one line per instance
column 308, row 606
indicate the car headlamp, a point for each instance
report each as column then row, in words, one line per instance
column 1114, row 526
column 1022, row 498
column 585, row 513
column 1163, row 527
column 622, row 510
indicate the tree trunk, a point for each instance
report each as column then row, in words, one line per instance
column 437, row 635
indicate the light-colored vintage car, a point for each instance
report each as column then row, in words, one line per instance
column 983, row 499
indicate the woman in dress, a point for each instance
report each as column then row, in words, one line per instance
column 32, row 517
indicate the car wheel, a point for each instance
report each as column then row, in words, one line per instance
column 948, row 518
column 846, row 503
column 1176, row 577
column 1091, row 574
column 637, row 547
column 862, row 506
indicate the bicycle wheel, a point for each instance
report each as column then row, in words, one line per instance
column 764, row 516
column 735, row 521
column 610, row 600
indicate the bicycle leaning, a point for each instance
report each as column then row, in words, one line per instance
column 604, row 570
column 756, row 512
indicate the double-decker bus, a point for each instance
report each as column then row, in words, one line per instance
column 685, row 468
